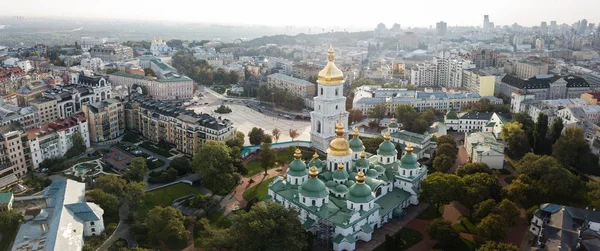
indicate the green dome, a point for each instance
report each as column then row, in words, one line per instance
column 387, row 148
column 372, row 173
column 409, row 160
column 393, row 125
column 352, row 176
column 297, row 168
column 349, row 183
column 341, row 188
column 330, row 183
column 340, row 174
column 316, row 162
column 362, row 163
column 313, row 188
column 360, row 193
column 356, row 144
column 379, row 169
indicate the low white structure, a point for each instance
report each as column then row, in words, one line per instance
column 64, row 222
column 560, row 227
column 482, row 147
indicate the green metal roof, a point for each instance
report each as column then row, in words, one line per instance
column 313, row 188
column 409, row 136
column 392, row 200
column 360, row 193
column 451, row 115
column 340, row 174
column 356, row 144
column 387, row 148
column 367, row 228
column 5, row 197
column 297, row 168
column 315, row 162
column 409, row 161
column 308, row 223
column 393, row 125
column 491, row 124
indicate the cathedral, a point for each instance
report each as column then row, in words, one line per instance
column 350, row 194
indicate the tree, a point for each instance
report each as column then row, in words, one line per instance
column 276, row 133
column 398, row 149
column 78, row 146
column 594, row 193
column 134, row 193
column 483, row 209
column 443, row 163
column 181, row 164
column 441, row 188
column 477, row 189
column 443, row 232
column 268, row 139
column 111, row 184
column 214, row 165
column 213, row 238
column 445, row 139
column 540, row 145
column 108, row 202
column 377, row 112
column 513, row 134
column 406, row 114
column 372, row 144
column 137, row 169
column 508, row 210
column 447, row 150
column 428, row 115
column 493, row 227
column 277, row 228
column 294, row 133
column 572, row 150
column 240, row 136
column 518, row 189
column 10, row 221
column 497, row 246
column 472, row 168
column 555, row 130
column 527, row 124
column 165, row 223
column 267, row 156
column 256, row 136
column 223, row 109
column 354, row 116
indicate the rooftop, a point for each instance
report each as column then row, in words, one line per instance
column 56, row 126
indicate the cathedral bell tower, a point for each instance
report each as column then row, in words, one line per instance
column 329, row 105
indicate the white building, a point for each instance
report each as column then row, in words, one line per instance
column 579, row 228
column 329, row 105
column 112, row 53
column 450, row 68
column 89, row 42
column 296, row 86
column 89, row 89
column 93, row 64
column 25, row 65
column 424, row 74
column 159, row 47
column 422, row 145
column 63, row 223
column 52, row 140
column 482, row 147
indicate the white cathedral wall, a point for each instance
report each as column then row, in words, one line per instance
column 344, row 246
column 333, row 160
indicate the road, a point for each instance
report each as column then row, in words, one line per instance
column 122, row 230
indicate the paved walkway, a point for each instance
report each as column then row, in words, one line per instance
column 122, row 230
column 421, row 226
column 258, row 178
column 391, row 228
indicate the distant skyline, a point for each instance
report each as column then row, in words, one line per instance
column 314, row 13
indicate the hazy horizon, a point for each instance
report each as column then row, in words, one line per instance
column 313, row 13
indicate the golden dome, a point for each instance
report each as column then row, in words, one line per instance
column 408, row 148
column 330, row 74
column 393, row 120
column 386, row 136
column 363, row 155
column 298, row 154
column 339, row 146
column 316, row 155
column 360, row 177
column 313, row 172
column 341, row 166
column 355, row 132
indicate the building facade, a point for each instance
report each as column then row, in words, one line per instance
column 543, row 87
column 423, row 74
column 112, row 53
column 298, row 87
column 106, row 120
column 479, row 82
column 14, row 149
column 482, row 147
column 527, row 69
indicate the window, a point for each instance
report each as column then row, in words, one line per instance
column 93, row 230
column 92, row 223
column 361, row 207
column 314, row 202
column 336, row 92
column 321, row 91
column 388, row 159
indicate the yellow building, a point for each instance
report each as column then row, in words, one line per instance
column 479, row 82
column 106, row 119
column 185, row 129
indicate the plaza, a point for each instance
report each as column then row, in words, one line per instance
column 245, row 119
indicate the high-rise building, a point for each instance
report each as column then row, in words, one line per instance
column 106, row 119
column 14, row 150
column 423, row 74
column 441, row 28
column 582, row 26
column 449, row 69
column 544, row 26
column 486, row 22
column 329, row 105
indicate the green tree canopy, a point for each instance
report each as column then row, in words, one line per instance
column 572, row 150
column 134, row 193
column 527, row 124
column 181, row 164
column 443, row 163
column 497, row 246
column 111, row 184
column 138, row 168
column 594, row 193
column 445, row 139
column 540, row 131
column 372, row 144
column 483, row 209
column 517, row 140
column 10, row 221
column 441, row 188
column 256, row 136
column 78, row 146
column 443, row 232
column 268, row 156
column 277, row 228
column 165, row 223
column 508, row 210
column 477, row 189
column 276, row 134
column 473, row 168
column 355, row 116
column 378, row 111
column 555, row 130
column 108, row 202
column 493, row 227
column 213, row 238
column 214, row 165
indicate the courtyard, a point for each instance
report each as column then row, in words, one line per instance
column 244, row 119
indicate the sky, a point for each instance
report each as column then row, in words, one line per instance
column 316, row 13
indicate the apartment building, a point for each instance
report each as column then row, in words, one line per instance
column 113, row 53
column 296, row 86
column 528, row 68
column 305, row 71
column 30, row 91
column 423, row 74
column 70, row 99
column 106, row 119
column 185, row 129
column 26, row 117
column 52, row 140
column 483, row 58
column 90, row 42
column 47, row 109
column 450, row 69
column 14, row 151
column 544, row 87
column 479, row 82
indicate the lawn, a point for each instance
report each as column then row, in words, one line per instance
column 402, row 240
column 165, row 196
column 430, row 213
column 466, row 227
column 286, row 154
column 155, row 149
column 258, row 191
